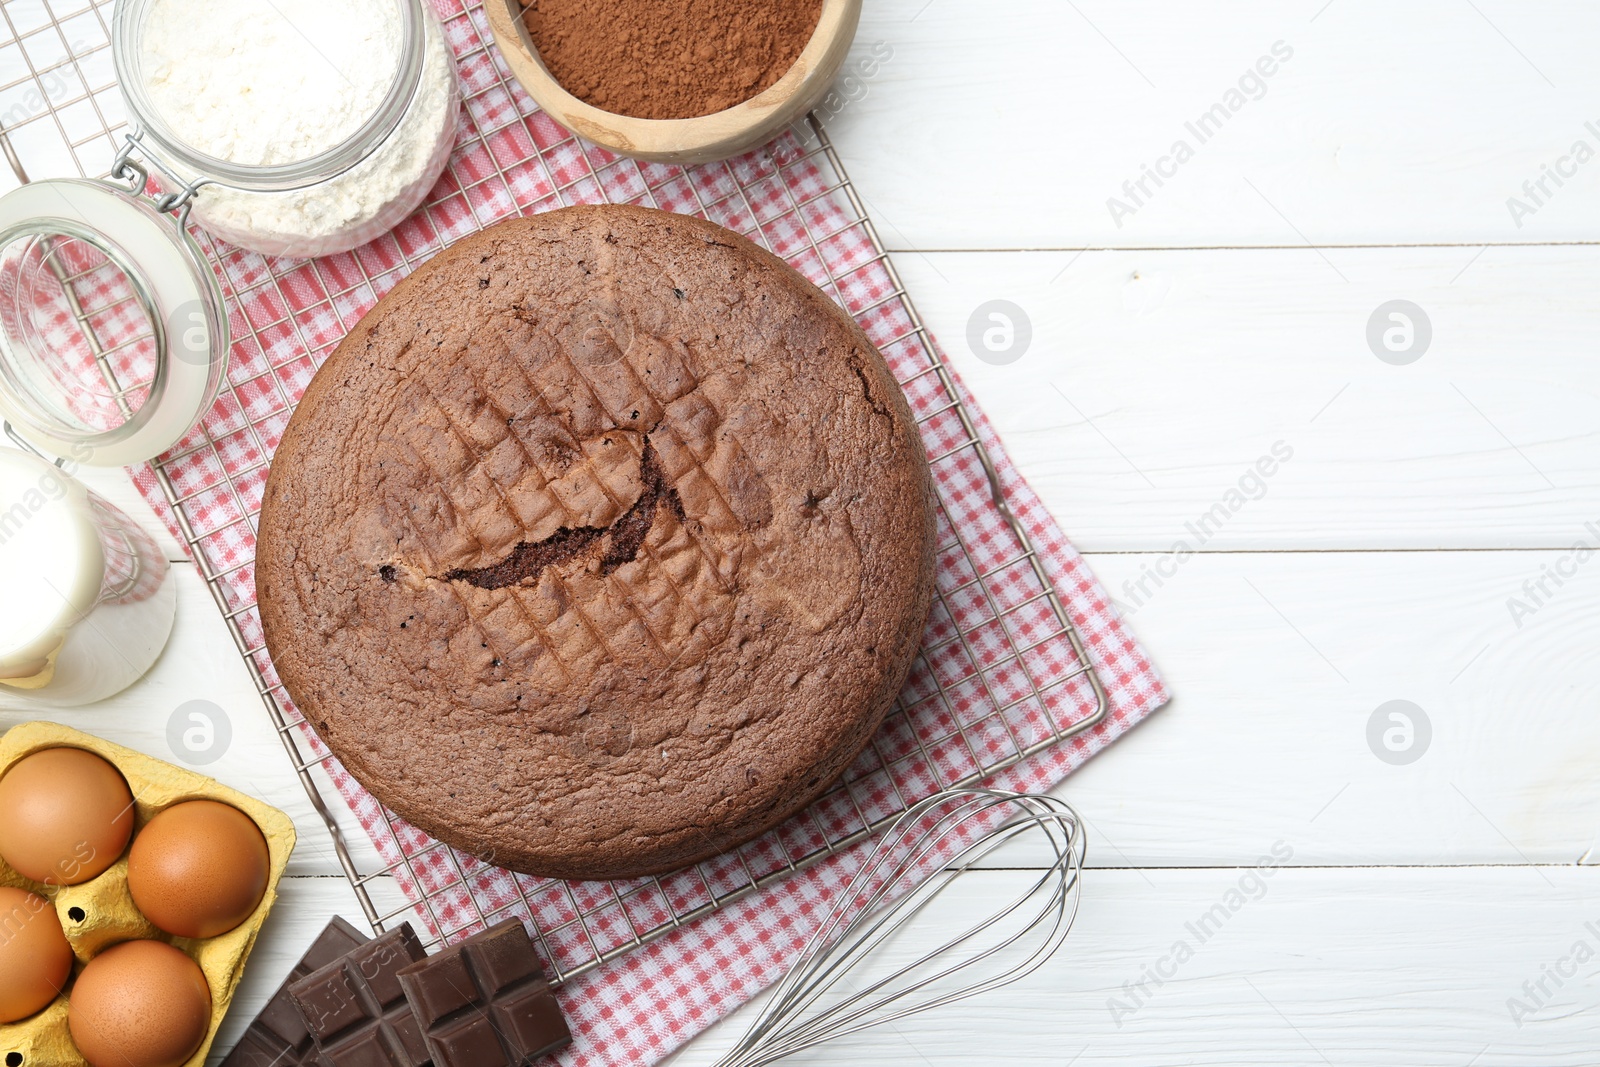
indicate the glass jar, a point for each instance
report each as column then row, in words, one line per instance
column 332, row 201
column 113, row 333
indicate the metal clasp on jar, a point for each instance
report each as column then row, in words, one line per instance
column 125, row 168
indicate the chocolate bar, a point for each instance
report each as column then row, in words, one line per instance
column 355, row 1009
column 485, row 1002
column 278, row 1036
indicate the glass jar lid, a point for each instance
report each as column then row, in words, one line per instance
column 113, row 333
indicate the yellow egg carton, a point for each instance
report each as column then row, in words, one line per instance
column 101, row 913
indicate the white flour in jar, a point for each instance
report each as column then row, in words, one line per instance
column 269, row 83
column 279, row 83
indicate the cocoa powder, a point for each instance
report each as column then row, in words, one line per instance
column 677, row 60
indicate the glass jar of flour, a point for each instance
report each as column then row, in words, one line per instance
column 293, row 128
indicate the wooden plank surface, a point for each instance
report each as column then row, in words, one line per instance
column 1390, row 124
column 1156, row 380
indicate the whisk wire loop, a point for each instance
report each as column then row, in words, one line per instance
column 925, row 851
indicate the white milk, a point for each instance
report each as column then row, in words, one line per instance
column 86, row 600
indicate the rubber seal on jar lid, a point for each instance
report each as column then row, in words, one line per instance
column 113, row 336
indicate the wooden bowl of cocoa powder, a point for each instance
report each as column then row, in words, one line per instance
column 631, row 75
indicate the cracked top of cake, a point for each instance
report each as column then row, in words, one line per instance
column 601, row 545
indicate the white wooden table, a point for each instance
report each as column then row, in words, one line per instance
column 1434, row 912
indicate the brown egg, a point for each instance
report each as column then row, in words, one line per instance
column 35, row 959
column 198, row 869
column 65, row 816
column 139, row 1004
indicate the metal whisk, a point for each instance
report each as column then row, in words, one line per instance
column 920, row 856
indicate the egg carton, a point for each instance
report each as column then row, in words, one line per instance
column 101, row 913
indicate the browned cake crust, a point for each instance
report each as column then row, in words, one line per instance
column 601, row 545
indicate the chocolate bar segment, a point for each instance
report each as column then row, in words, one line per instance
column 485, row 1002
column 355, row 1009
column 278, row 1036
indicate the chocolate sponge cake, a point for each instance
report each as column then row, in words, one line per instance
column 600, row 545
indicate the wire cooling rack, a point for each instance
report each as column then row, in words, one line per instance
column 1002, row 674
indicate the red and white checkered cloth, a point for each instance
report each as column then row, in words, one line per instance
column 992, row 645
